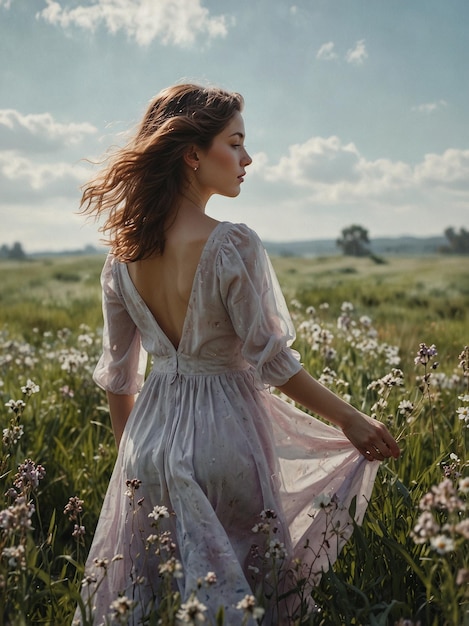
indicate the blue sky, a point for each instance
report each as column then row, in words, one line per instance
column 356, row 110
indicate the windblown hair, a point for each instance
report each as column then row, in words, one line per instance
column 141, row 182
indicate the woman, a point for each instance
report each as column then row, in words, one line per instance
column 238, row 469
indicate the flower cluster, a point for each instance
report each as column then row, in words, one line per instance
column 463, row 411
column 358, row 333
column 192, row 611
column 19, row 353
column 17, row 517
column 394, row 379
column 330, row 378
column 250, row 608
column 28, row 476
column 383, row 387
column 16, row 406
column 121, row 609
column 30, row 388
column 443, row 522
column 72, row 360
column 74, row 509
column 425, row 355
column 406, row 408
column 12, row 435
column 318, row 337
column 159, row 512
column 15, row 431
column 132, row 484
column 464, row 361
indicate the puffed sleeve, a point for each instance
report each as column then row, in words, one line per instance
column 256, row 306
column 121, row 368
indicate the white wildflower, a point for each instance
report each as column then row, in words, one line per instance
column 463, row 413
column 442, row 544
column 425, row 528
column 192, row 612
column 248, row 605
column 122, row 606
column 405, row 407
column 276, row 550
column 172, row 566
column 159, row 512
column 30, row 388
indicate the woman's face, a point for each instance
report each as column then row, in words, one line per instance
column 222, row 167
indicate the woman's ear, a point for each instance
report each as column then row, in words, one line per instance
column 191, row 158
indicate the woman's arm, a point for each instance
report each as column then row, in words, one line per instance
column 370, row 437
column 120, row 407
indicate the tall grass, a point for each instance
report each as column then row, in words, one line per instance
column 362, row 338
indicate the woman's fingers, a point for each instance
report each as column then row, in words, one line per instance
column 374, row 455
column 372, row 439
column 382, row 450
column 391, row 445
column 384, row 443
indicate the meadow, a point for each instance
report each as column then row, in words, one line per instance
column 390, row 335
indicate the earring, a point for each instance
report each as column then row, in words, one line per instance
column 195, row 169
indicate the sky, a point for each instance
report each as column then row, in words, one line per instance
column 356, row 111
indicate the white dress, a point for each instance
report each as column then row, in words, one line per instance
column 209, row 440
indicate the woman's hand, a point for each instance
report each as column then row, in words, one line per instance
column 371, row 438
column 368, row 435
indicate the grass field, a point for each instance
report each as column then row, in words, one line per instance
column 361, row 325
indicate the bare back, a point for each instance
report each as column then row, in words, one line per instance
column 165, row 282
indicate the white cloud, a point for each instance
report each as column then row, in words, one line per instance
column 450, row 169
column 430, row 107
column 322, row 185
column 36, row 161
column 177, row 22
column 22, row 178
column 318, row 160
column 39, row 131
column 354, row 56
column 328, row 171
column 358, row 54
column 326, row 52
column 5, row 3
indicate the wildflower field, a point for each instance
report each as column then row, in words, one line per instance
column 392, row 337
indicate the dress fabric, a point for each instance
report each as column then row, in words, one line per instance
column 209, row 440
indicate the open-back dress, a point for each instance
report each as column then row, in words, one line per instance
column 209, row 440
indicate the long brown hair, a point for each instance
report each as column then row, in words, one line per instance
column 141, row 182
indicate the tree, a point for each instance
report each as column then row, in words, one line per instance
column 354, row 241
column 458, row 242
column 16, row 252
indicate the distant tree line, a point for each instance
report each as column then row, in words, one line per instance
column 355, row 241
column 15, row 252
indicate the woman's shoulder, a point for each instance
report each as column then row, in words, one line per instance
column 238, row 244
column 111, row 273
column 238, row 233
